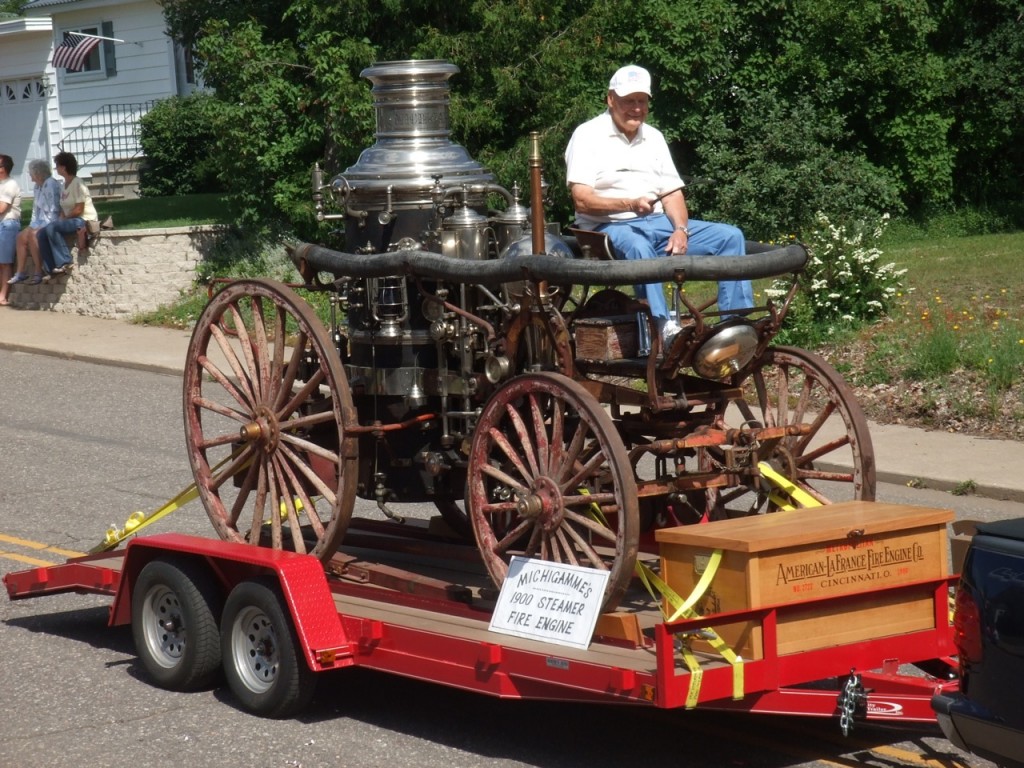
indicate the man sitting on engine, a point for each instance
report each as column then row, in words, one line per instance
column 624, row 184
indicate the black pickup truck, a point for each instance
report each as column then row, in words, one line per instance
column 987, row 716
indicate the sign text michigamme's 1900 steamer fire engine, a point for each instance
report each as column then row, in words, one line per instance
column 476, row 359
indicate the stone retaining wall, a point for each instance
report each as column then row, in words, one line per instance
column 128, row 271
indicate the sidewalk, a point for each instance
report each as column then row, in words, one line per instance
column 937, row 460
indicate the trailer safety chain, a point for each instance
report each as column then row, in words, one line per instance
column 684, row 609
column 851, row 697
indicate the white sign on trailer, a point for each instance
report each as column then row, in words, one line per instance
column 552, row 602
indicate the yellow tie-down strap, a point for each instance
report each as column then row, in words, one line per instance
column 139, row 520
column 785, row 495
column 684, row 609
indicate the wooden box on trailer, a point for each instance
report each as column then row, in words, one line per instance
column 787, row 558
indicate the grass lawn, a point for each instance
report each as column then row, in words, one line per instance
column 951, row 354
column 156, row 212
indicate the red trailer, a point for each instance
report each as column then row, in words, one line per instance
column 421, row 606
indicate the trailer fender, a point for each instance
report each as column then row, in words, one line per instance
column 325, row 644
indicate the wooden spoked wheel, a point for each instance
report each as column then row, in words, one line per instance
column 549, row 478
column 832, row 460
column 266, row 408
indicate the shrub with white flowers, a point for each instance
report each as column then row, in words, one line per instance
column 845, row 282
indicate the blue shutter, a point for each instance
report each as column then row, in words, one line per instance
column 108, row 48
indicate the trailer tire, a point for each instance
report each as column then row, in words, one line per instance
column 175, row 605
column 260, row 651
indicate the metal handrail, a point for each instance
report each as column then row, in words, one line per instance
column 111, row 131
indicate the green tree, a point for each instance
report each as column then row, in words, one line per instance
column 12, row 7
column 850, row 107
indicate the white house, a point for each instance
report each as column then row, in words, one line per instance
column 93, row 113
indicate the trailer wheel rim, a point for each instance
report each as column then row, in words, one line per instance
column 163, row 626
column 255, row 651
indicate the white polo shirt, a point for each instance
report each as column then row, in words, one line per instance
column 600, row 156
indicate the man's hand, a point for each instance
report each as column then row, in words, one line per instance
column 677, row 243
column 641, row 206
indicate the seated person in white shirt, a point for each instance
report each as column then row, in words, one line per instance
column 623, row 183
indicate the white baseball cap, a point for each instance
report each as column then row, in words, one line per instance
column 631, row 79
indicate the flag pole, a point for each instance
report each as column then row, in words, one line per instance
column 99, row 37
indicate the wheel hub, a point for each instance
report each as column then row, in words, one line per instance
column 263, row 431
column 543, row 504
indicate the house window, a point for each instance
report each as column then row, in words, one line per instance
column 101, row 59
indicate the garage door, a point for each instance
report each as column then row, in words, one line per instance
column 23, row 125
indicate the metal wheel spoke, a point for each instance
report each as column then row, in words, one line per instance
column 540, row 434
column 511, row 454
column 588, row 470
column 321, row 487
column 521, row 432
column 228, row 350
column 210, row 368
column 251, row 478
column 252, row 372
column 591, row 525
column 503, row 478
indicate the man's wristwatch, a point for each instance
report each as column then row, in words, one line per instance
column 682, row 228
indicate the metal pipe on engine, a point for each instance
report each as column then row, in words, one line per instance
column 536, row 194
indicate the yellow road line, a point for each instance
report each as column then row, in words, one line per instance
column 38, row 546
column 912, row 757
column 25, row 559
column 22, row 542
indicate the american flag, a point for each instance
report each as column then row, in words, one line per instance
column 74, row 50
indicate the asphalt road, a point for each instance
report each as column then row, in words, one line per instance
column 84, row 446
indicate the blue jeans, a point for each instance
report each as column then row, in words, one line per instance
column 647, row 237
column 60, row 254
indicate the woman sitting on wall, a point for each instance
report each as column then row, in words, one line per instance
column 45, row 209
column 76, row 210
